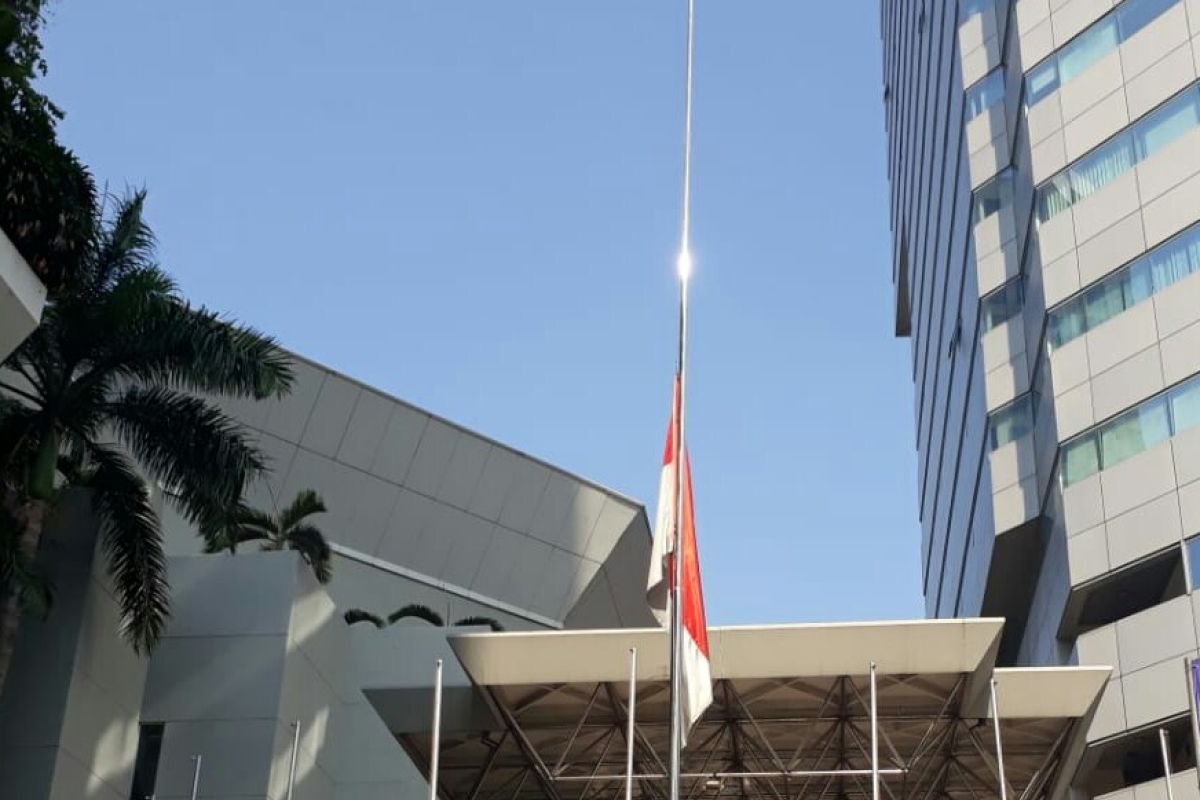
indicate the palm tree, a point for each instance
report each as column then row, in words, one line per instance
column 418, row 611
column 108, row 390
column 285, row 530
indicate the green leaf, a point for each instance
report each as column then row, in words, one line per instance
column 132, row 542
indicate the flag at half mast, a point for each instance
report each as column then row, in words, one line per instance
column 696, row 675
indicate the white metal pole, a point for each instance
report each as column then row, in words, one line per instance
column 436, row 745
column 629, row 734
column 295, row 754
column 684, row 267
column 196, row 776
column 1189, row 665
column 1166, row 759
column 999, row 743
column 874, row 737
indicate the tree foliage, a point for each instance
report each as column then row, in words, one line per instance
column 286, row 530
column 415, row 611
column 47, row 195
column 109, row 391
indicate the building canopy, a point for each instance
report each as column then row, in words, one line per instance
column 545, row 715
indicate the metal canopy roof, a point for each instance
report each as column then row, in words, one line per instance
column 791, row 715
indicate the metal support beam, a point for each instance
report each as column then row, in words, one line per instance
column 540, row 770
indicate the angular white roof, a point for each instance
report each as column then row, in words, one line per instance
column 542, row 714
column 459, row 511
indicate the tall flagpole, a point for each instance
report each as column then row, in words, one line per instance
column 684, row 267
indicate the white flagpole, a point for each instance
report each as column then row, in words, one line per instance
column 999, row 744
column 684, row 266
column 874, row 737
column 295, row 752
column 436, row 744
column 629, row 734
column 1166, row 760
column 196, row 776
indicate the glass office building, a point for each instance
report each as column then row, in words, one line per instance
column 1044, row 167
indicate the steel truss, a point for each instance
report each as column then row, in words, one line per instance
column 794, row 739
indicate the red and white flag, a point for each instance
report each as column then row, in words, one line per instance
column 697, row 678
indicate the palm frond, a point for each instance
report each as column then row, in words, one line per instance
column 306, row 503
column 357, row 615
column 17, row 423
column 33, row 590
column 132, row 541
column 248, row 518
column 311, row 545
column 488, row 621
column 127, row 243
column 193, row 348
column 189, row 444
column 419, row 611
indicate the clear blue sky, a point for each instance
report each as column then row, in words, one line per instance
column 474, row 206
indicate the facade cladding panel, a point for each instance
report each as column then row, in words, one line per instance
column 1044, row 164
column 420, row 511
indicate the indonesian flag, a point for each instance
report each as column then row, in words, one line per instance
column 697, row 679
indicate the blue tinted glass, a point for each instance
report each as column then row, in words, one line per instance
column 1175, row 260
column 1193, row 556
column 1138, row 284
column 1066, row 323
column 1081, row 458
column 1011, row 422
column 1103, row 302
column 985, row 93
column 990, row 197
column 1002, row 305
column 1041, row 81
column 1054, row 197
column 1167, row 124
column 1133, row 15
column 1133, row 432
column 1087, row 48
column 1102, row 167
column 969, row 8
column 1185, row 406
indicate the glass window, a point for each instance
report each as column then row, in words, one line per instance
column 145, row 764
column 986, row 92
column 1102, row 167
column 1137, row 283
column 1174, row 261
column 1158, row 269
column 1133, row 432
column 1193, row 557
column 1054, row 196
column 1011, row 422
column 1066, row 323
column 1081, row 458
column 969, row 8
column 992, row 196
column 1167, row 124
column 1093, row 44
column 1002, row 305
column 1133, row 15
column 1041, row 81
column 1103, row 302
column 1185, row 405
column 1087, row 48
